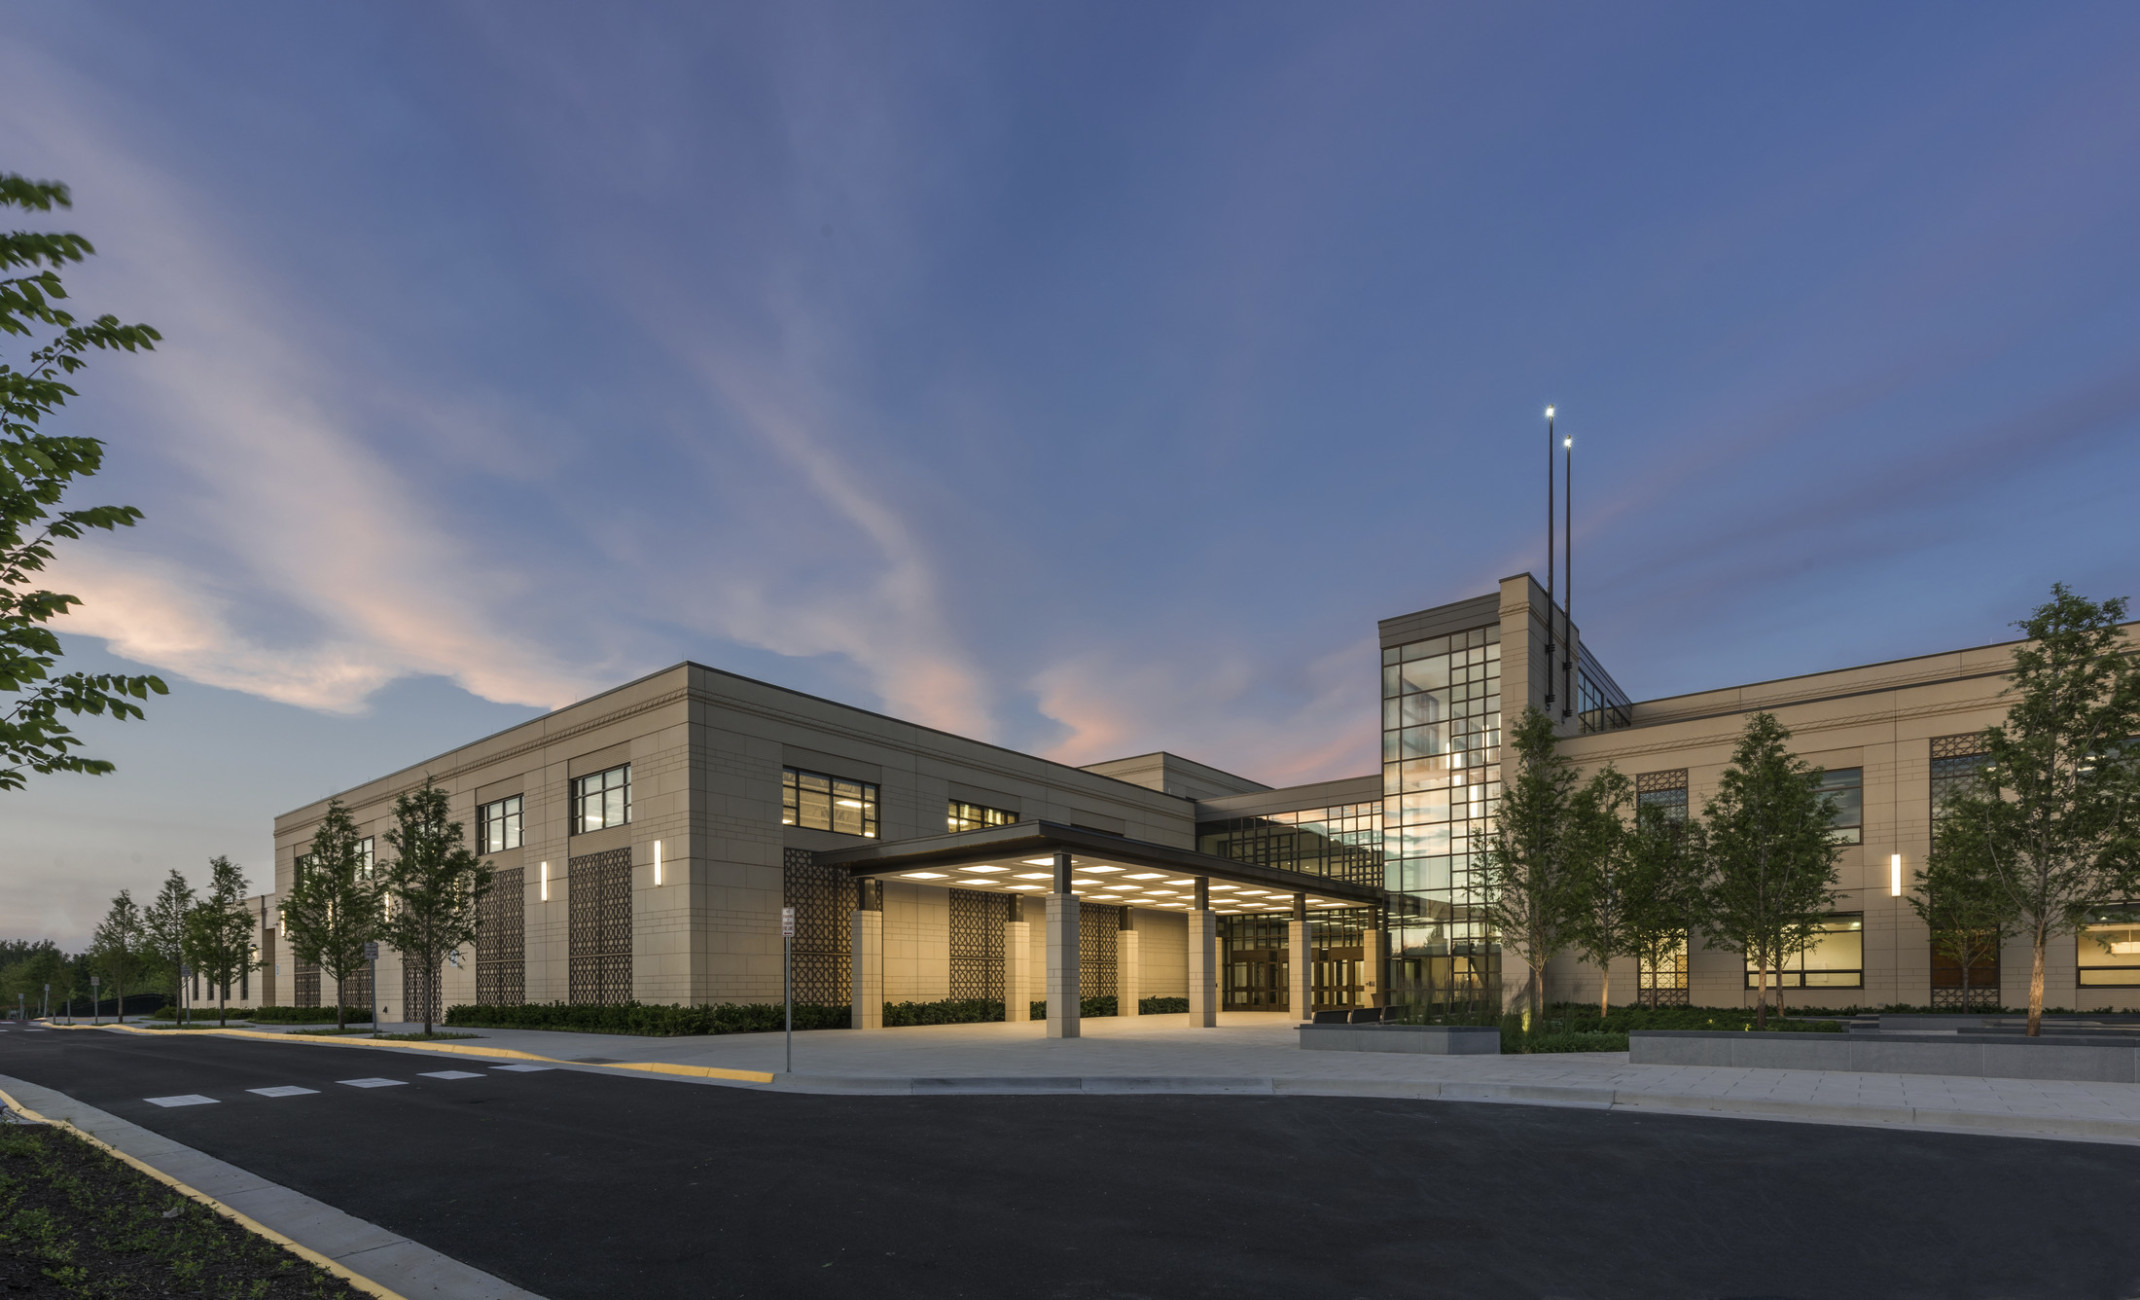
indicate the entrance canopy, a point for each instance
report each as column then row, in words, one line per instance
column 1110, row 869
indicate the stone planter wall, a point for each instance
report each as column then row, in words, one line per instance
column 2001, row 1056
column 1428, row 1040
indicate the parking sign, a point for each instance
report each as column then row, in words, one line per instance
column 787, row 922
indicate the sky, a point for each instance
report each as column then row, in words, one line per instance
column 1086, row 378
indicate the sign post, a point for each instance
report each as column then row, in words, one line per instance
column 787, row 977
column 185, row 1008
column 371, row 960
column 48, row 1003
column 96, row 999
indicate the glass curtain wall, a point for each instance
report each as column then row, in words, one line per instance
column 1341, row 843
column 1441, row 779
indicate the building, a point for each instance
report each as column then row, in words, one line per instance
column 647, row 839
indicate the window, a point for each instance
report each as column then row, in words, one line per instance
column 973, row 817
column 2110, row 947
column 498, row 826
column 1665, row 790
column 364, row 857
column 602, row 799
column 818, row 802
column 1344, row 841
column 1441, row 780
column 1846, row 786
column 1834, row 960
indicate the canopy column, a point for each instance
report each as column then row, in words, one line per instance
column 1129, row 965
column 1203, row 960
column 1300, row 961
column 866, row 970
column 1063, row 992
column 1017, row 964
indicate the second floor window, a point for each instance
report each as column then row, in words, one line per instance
column 602, row 799
column 972, row 817
column 1846, row 786
column 827, row 803
column 498, row 825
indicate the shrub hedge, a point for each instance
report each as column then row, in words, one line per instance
column 751, row 1017
column 302, row 1015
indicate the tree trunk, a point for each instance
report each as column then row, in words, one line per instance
column 2036, row 987
column 222, row 1007
column 121, row 1007
column 1761, row 994
column 1605, row 991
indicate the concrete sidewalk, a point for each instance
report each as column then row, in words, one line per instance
column 1259, row 1054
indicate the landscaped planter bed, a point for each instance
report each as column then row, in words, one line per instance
column 1980, row 1055
column 1425, row 1040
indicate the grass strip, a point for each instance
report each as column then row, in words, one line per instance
column 77, row 1220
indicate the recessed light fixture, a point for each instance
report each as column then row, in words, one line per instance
column 848, row 803
column 1253, row 893
column 1107, row 898
column 1184, row 881
column 1214, row 889
column 1034, row 875
column 1021, row 886
column 1040, row 862
column 984, row 868
column 923, row 875
column 1098, row 871
column 1148, row 875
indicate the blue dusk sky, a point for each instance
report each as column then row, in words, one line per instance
column 1087, row 378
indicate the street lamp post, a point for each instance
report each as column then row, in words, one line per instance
column 1549, row 557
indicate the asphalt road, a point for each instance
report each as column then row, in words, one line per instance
column 576, row 1184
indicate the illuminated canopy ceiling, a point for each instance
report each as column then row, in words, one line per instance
column 1107, row 869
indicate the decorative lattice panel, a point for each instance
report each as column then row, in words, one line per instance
column 599, row 928
column 1660, row 782
column 1970, row 745
column 356, row 991
column 307, row 990
column 1097, row 927
column 1666, row 981
column 824, row 900
column 419, row 992
column 501, row 941
column 977, row 943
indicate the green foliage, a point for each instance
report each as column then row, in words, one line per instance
column 219, row 932
column 115, row 952
column 1767, row 855
column 1600, row 852
column 36, row 471
column 435, row 884
column 333, row 907
column 1162, row 1006
column 1527, row 858
column 1960, row 898
column 163, row 925
column 2055, row 815
column 1660, row 886
column 640, row 1018
column 75, row 1221
column 307, row 1015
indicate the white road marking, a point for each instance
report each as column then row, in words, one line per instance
column 371, row 1083
column 521, row 1069
column 286, row 1090
column 449, row 1074
column 189, row 1099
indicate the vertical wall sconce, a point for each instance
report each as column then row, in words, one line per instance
column 1894, row 875
column 545, row 882
column 657, row 862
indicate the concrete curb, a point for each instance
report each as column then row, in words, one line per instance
column 1983, row 1123
column 393, row 1267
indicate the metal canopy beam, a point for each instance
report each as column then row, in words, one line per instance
column 1012, row 845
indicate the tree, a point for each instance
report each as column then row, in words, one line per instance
column 1660, row 892
column 1600, row 851
column 334, row 907
column 1526, row 860
column 219, row 933
column 1959, row 896
column 436, row 885
column 2055, row 802
column 163, row 925
column 36, row 469
column 116, row 949
column 1769, row 862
